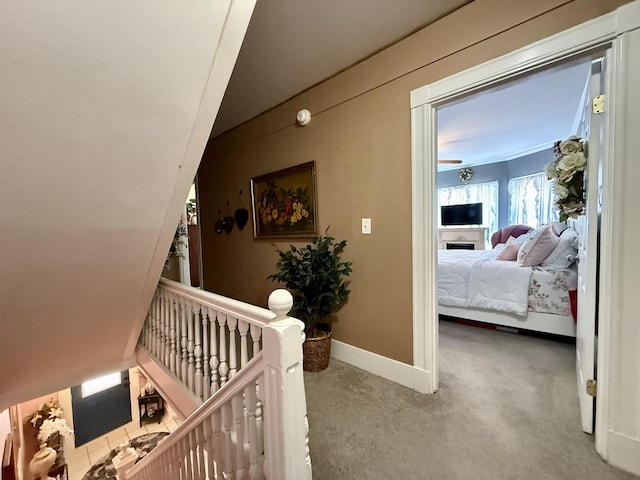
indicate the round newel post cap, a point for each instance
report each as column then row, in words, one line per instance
column 280, row 302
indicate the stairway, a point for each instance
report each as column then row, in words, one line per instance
column 244, row 365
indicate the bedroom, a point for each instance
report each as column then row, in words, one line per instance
column 504, row 137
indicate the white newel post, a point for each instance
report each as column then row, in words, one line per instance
column 285, row 410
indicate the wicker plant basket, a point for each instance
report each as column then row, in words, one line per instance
column 316, row 351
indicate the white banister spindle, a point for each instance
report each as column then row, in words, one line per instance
column 177, row 461
column 214, row 362
column 178, row 344
column 163, row 315
column 259, row 413
column 243, row 328
column 232, row 323
column 159, row 333
column 172, row 335
column 209, row 446
column 197, row 351
column 237, row 409
column 224, row 367
column 201, row 453
column 227, row 441
column 188, row 463
column 183, row 342
column 254, row 443
column 206, row 371
column 167, row 330
column 190, row 346
column 216, row 431
column 285, row 431
column 157, row 341
column 256, row 335
column 192, row 455
column 152, row 339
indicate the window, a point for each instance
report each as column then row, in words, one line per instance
column 100, row 384
column 486, row 193
column 531, row 201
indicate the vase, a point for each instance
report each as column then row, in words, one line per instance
column 149, row 388
column 42, row 462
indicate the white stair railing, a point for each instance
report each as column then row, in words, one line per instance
column 255, row 426
column 201, row 337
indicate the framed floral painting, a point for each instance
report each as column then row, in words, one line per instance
column 284, row 202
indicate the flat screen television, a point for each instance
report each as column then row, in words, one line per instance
column 465, row 214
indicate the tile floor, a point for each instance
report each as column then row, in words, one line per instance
column 80, row 459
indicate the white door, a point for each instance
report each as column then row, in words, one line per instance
column 592, row 130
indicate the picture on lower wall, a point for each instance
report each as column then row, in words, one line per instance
column 284, row 202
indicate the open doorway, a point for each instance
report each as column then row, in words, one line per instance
column 183, row 262
column 425, row 102
column 190, row 267
column 499, row 287
column 503, row 138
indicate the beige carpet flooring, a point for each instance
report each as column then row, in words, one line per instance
column 507, row 408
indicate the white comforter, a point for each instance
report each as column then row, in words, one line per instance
column 474, row 278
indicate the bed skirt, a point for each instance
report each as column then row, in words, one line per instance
column 535, row 321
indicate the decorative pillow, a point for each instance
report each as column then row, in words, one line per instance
column 537, row 247
column 524, row 237
column 558, row 227
column 567, row 246
column 509, row 252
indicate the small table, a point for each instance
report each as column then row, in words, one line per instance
column 151, row 402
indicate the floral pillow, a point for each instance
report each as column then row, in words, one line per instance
column 537, row 247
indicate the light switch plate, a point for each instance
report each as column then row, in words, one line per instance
column 366, row 226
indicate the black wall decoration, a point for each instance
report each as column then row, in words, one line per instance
column 241, row 214
column 228, row 220
column 219, row 224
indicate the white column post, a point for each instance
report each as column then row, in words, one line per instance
column 285, row 406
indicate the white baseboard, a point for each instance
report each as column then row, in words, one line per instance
column 623, row 452
column 384, row 367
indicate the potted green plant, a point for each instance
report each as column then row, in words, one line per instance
column 314, row 276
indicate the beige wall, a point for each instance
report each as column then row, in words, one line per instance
column 360, row 138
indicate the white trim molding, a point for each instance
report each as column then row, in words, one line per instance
column 384, row 367
column 623, row 451
column 607, row 31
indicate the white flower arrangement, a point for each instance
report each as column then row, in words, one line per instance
column 51, row 426
column 567, row 173
column 47, row 419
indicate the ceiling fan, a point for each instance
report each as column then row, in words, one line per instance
column 450, row 162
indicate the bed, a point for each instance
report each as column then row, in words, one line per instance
column 478, row 285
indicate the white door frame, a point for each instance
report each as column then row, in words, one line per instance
column 424, row 102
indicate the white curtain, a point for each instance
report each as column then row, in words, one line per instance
column 485, row 193
column 531, row 201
